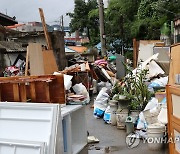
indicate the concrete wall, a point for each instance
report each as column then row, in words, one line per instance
column 29, row 28
column 33, row 39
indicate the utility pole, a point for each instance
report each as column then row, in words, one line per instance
column 62, row 22
column 102, row 32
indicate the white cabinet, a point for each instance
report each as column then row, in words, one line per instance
column 74, row 128
column 31, row 122
column 37, row 128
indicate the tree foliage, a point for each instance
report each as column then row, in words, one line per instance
column 85, row 18
column 151, row 16
column 141, row 19
column 119, row 16
column 124, row 20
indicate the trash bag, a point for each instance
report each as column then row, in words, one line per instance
column 141, row 124
column 107, row 115
column 100, row 104
column 162, row 117
column 80, row 89
column 161, row 82
column 151, row 104
column 151, row 107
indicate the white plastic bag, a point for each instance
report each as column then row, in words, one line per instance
column 141, row 122
column 107, row 115
column 100, row 104
column 162, row 117
column 67, row 80
column 161, row 82
column 80, row 89
column 151, row 104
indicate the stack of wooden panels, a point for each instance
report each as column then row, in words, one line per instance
column 41, row 61
column 42, row 89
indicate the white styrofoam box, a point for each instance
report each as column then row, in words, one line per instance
column 21, row 147
column 32, row 122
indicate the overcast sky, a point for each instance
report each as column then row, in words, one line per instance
column 27, row 10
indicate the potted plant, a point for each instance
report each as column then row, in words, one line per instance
column 134, row 91
column 119, row 94
column 141, row 94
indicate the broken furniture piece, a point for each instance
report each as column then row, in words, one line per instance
column 43, row 89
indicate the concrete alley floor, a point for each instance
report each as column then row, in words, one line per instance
column 112, row 140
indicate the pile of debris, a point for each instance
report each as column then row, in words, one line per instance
column 137, row 102
column 81, row 78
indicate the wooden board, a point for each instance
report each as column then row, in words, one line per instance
column 48, row 40
column 27, row 61
column 57, row 93
column 7, row 92
column 36, row 59
column 50, row 65
column 174, row 63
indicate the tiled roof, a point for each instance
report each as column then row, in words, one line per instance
column 79, row 49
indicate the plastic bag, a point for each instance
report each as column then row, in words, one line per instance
column 100, row 104
column 161, row 82
column 153, row 108
column 80, row 89
column 107, row 115
column 162, row 117
column 151, row 104
column 141, row 122
column 67, row 80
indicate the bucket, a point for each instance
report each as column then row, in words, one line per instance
column 155, row 133
column 129, row 125
column 113, row 109
column 150, row 118
column 121, row 116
